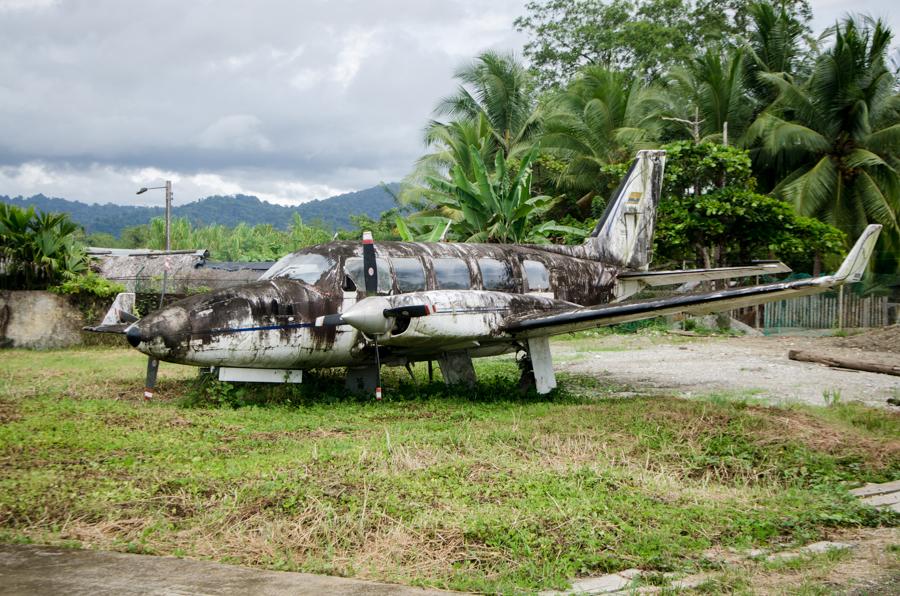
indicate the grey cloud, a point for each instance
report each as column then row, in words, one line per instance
column 272, row 95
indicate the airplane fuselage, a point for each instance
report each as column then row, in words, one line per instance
column 271, row 323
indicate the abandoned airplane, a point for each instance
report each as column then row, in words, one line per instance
column 359, row 306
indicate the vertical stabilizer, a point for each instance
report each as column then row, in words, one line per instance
column 624, row 234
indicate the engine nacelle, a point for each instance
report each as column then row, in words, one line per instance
column 460, row 316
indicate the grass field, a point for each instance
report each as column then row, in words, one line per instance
column 484, row 491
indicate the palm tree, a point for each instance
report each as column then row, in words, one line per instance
column 38, row 249
column 710, row 92
column 835, row 138
column 498, row 88
column 773, row 47
column 602, row 118
column 493, row 112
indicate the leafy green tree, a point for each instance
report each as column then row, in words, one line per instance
column 498, row 88
column 711, row 216
column 135, row 236
column 102, row 239
column 834, row 139
column 644, row 36
column 773, row 47
column 383, row 228
column 454, row 143
column 601, row 118
column 494, row 110
column 262, row 242
column 303, row 235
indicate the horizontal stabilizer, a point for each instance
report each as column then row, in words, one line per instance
column 119, row 316
column 117, row 328
column 665, row 278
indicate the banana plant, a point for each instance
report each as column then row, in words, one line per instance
column 495, row 206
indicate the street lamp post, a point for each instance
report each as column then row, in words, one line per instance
column 153, row 363
column 168, row 188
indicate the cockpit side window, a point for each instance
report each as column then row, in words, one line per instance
column 353, row 267
column 451, row 274
column 309, row 268
column 537, row 276
column 410, row 275
column 497, row 275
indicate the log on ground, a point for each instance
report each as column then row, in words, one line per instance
column 838, row 362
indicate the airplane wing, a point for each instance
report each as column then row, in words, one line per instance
column 576, row 319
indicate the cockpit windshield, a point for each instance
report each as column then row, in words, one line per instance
column 309, row 268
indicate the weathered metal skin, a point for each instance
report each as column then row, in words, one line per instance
column 477, row 316
column 271, row 323
column 623, row 237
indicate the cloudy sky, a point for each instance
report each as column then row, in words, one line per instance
column 289, row 100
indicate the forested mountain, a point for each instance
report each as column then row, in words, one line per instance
column 333, row 212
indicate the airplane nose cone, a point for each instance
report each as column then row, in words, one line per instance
column 133, row 335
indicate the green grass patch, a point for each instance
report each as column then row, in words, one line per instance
column 486, row 490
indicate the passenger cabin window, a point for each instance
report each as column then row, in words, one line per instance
column 497, row 275
column 410, row 275
column 451, row 274
column 537, row 277
column 354, row 270
column 309, row 268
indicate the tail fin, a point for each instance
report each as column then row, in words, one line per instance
column 119, row 316
column 624, row 234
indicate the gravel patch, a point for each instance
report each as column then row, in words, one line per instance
column 749, row 366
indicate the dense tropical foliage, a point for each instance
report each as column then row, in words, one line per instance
column 798, row 136
column 37, row 249
column 261, row 242
column 834, row 139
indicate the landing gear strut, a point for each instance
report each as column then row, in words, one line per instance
column 537, row 367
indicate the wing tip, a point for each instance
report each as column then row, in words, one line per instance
column 854, row 266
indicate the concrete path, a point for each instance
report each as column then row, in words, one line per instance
column 884, row 496
column 28, row 569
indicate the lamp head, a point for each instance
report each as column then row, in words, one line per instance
column 142, row 190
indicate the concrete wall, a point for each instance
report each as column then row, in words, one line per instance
column 41, row 320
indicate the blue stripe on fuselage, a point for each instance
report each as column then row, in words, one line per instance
column 262, row 328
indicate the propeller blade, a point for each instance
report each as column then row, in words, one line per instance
column 150, row 381
column 370, row 269
column 412, row 311
column 330, row 320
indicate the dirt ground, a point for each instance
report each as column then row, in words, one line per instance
column 879, row 340
column 748, row 366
